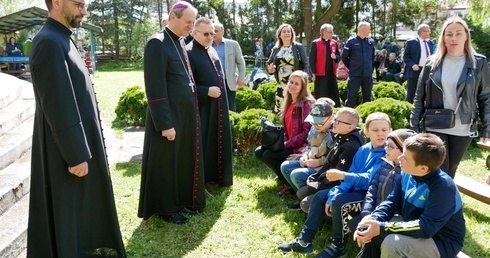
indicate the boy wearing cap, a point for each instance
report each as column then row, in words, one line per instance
column 348, row 139
column 347, row 204
column 428, row 201
column 320, row 142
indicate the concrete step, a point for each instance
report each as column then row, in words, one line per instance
column 13, row 229
column 8, row 94
column 15, row 114
column 15, row 143
column 15, row 182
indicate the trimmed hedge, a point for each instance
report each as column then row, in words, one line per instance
column 389, row 90
column 247, row 98
column 245, row 126
column 131, row 108
column 397, row 110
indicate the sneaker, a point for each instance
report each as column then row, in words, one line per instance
column 332, row 251
column 297, row 245
column 294, row 206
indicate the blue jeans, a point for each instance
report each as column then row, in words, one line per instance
column 316, row 215
column 295, row 174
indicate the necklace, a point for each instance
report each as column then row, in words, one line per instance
column 186, row 67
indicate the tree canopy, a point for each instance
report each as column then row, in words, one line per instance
column 128, row 23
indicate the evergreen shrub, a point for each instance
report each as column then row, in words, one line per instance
column 268, row 93
column 131, row 108
column 389, row 90
column 247, row 98
column 245, row 125
column 343, row 92
column 311, row 85
column 397, row 110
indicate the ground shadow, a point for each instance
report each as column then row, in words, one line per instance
column 157, row 238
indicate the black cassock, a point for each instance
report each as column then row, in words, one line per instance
column 172, row 175
column 69, row 216
column 215, row 119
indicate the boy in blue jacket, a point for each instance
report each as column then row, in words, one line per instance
column 429, row 203
column 366, row 160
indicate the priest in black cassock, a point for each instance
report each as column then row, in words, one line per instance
column 213, row 105
column 172, row 176
column 72, row 212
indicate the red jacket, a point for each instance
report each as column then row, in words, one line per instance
column 321, row 56
column 300, row 127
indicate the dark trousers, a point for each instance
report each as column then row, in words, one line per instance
column 326, row 86
column 231, row 99
column 274, row 159
column 316, row 215
column 343, row 205
column 353, row 84
column 456, row 146
column 412, row 86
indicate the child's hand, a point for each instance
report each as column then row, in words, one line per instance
column 366, row 230
column 335, row 175
column 302, row 161
column 313, row 163
column 328, row 210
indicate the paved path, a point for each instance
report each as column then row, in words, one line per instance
column 124, row 147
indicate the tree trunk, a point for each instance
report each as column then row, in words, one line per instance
column 116, row 31
column 326, row 16
column 308, row 21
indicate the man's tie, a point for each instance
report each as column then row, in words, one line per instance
column 427, row 52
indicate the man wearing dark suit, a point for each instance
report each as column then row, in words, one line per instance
column 230, row 55
column 416, row 52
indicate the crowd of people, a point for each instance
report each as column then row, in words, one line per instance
column 397, row 187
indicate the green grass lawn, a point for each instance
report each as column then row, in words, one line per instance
column 248, row 219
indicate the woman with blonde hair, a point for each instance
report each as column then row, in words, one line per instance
column 295, row 109
column 286, row 56
column 455, row 78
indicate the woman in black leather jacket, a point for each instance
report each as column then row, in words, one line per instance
column 456, row 78
column 286, row 57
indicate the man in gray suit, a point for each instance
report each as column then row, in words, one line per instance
column 230, row 55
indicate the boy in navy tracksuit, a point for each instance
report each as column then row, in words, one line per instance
column 429, row 203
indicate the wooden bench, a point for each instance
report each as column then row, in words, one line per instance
column 473, row 188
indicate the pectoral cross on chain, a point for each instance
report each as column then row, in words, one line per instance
column 189, row 70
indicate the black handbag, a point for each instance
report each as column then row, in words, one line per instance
column 438, row 118
column 272, row 135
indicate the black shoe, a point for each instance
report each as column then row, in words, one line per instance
column 176, row 218
column 294, row 206
column 297, row 245
column 332, row 251
column 189, row 211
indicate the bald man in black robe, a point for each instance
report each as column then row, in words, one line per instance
column 172, row 178
column 213, row 105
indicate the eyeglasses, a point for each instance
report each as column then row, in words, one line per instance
column 390, row 147
column 205, row 34
column 80, row 5
column 336, row 121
